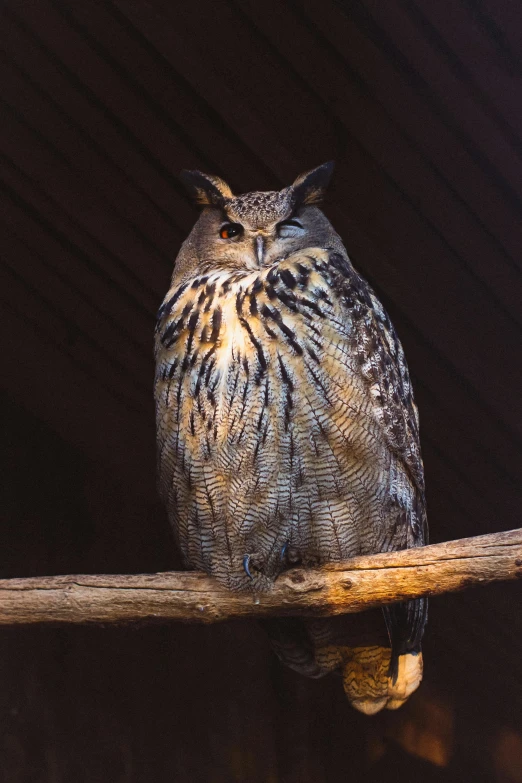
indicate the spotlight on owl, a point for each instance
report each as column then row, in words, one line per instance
column 287, row 430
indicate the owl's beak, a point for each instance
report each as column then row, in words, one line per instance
column 259, row 248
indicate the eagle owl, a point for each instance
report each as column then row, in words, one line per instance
column 287, row 431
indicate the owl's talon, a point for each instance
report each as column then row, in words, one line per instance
column 284, row 550
column 246, row 566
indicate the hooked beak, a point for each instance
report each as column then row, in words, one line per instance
column 259, row 248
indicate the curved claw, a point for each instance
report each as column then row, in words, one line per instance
column 246, row 566
column 284, row 550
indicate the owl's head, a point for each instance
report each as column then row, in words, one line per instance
column 253, row 230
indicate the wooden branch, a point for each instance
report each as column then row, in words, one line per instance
column 338, row 588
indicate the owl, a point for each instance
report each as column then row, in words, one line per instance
column 287, row 431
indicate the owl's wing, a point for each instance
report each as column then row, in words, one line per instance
column 380, row 357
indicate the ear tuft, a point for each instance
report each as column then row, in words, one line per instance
column 204, row 189
column 310, row 187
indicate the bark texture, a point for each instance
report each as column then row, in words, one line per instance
column 339, row 588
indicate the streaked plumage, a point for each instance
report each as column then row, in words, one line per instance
column 287, row 430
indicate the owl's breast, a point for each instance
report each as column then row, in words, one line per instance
column 251, row 366
column 267, row 431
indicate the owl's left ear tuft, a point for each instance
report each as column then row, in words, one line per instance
column 205, row 189
column 310, row 187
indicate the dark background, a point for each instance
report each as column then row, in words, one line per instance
column 102, row 104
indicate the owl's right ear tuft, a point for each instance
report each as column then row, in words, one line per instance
column 204, row 189
column 310, row 187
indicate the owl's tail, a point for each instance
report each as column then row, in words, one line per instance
column 367, row 681
column 375, row 675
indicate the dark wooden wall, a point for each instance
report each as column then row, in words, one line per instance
column 102, row 103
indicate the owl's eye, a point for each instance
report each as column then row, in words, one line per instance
column 289, row 228
column 230, row 230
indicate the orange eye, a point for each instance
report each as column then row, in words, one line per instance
column 230, row 230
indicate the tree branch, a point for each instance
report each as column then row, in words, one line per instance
column 337, row 588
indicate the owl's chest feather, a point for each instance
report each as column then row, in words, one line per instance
column 238, row 349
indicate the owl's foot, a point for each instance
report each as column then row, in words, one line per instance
column 291, row 554
column 255, row 562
